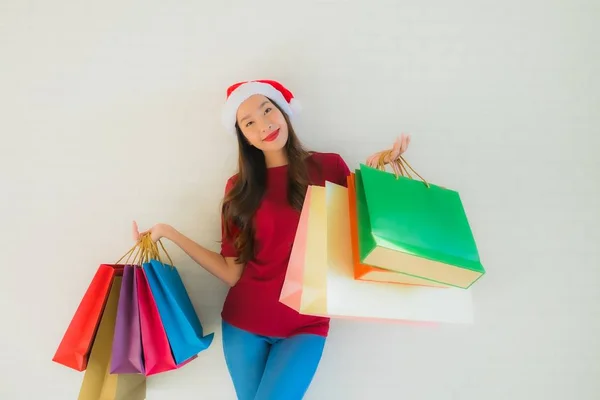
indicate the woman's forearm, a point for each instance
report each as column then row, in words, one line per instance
column 223, row 268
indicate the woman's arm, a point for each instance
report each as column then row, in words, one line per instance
column 224, row 268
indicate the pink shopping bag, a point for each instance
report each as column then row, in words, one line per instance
column 157, row 351
column 291, row 292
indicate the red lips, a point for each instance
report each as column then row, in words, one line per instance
column 272, row 136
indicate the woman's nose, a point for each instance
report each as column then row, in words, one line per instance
column 267, row 127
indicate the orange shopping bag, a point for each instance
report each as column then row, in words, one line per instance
column 74, row 348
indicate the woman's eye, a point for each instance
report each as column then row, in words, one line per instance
column 268, row 110
column 248, row 124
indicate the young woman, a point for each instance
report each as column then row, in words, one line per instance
column 271, row 351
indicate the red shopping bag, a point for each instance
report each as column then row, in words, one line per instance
column 155, row 344
column 74, row 348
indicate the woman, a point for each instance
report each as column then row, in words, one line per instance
column 271, row 351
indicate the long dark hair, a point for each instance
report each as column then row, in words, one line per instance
column 242, row 201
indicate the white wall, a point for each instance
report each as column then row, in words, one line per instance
column 110, row 112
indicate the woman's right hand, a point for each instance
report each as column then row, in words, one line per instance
column 157, row 232
column 389, row 156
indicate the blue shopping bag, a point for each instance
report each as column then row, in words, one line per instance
column 182, row 325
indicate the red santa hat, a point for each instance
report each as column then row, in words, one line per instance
column 239, row 92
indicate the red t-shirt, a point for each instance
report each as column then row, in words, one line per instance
column 253, row 303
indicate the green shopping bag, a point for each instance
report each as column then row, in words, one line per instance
column 414, row 227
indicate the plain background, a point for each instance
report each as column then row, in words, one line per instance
column 110, row 112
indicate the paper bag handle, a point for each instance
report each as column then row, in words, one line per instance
column 151, row 249
column 399, row 166
column 144, row 250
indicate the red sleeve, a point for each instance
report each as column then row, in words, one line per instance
column 227, row 246
column 342, row 171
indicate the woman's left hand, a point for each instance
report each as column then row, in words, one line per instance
column 400, row 146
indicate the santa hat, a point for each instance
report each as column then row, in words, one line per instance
column 239, row 92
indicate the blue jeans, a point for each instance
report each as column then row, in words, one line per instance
column 268, row 368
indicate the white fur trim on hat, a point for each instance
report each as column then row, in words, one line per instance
column 248, row 89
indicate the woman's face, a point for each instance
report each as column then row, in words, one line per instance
column 263, row 125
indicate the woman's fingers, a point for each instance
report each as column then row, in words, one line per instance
column 400, row 146
column 135, row 231
column 396, row 150
column 371, row 161
column 404, row 143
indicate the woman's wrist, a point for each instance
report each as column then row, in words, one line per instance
column 166, row 231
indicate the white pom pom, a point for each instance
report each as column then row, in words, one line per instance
column 295, row 106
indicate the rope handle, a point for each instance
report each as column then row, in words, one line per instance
column 135, row 251
column 145, row 250
column 154, row 252
column 399, row 166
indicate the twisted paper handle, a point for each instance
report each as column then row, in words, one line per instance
column 145, row 250
column 399, row 166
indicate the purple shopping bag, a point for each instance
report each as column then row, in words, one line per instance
column 127, row 355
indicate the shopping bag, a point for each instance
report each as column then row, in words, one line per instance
column 155, row 345
column 358, row 209
column 416, row 228
column 98, row 383
column 73, row 350
column 314, row 274
column 179, row 318
column 300, row 291
column 333, row 291
column 127, row 357
column 291, row 291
